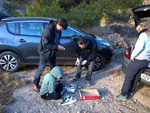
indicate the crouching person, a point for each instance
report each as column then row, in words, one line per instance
column 50, row 89
column 86, row 53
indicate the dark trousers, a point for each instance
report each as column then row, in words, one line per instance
column 44, row 58
column 90, row 69
column 133, row 76
column 57, row 95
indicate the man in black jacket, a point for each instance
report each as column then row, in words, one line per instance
column 86, row 53
column 49, row 44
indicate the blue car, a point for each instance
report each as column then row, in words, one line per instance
column 20, row 37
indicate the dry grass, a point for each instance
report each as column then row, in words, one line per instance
column 120, row 37
column 99, row 31
column 8, row 82
column 114, row 33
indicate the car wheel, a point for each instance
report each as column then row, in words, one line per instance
column 9, row 61
column 99, row 62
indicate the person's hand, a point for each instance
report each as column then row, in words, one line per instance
column 60, row 48
column 59, row 81
column 132, row 60
column 77, row 61
column 84, row 62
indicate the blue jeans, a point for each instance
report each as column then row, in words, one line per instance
column 133, row 76
column 44, row 58
column 90, row 69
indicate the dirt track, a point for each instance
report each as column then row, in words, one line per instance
column 108, row 81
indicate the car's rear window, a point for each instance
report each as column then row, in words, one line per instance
column 12, row 27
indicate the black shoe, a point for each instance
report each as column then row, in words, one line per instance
column 130, row 95
column 88, row 83
column 75, row 79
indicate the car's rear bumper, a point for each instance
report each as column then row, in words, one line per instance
column 145, row 82
column 145, row 77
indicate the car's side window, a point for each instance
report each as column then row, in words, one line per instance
column 69, row 32
column 44, row 25
column 12, row 27
column 31, row 28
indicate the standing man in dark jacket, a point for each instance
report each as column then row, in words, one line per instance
column 49, row 44
column 86, row 53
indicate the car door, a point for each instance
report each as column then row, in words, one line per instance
column 28, row 40
column 68, row 56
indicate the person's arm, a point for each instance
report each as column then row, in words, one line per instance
column 47, row 35
column 138, row 46
column 78, row 50
column 51, row 86
column 93, row 53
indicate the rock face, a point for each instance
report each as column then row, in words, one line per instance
column 1, row 7
column 3, row 12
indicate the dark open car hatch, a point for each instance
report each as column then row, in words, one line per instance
column 140, row 12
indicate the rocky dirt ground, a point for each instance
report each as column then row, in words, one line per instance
column 108, row 81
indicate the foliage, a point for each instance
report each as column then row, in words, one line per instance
column 80, row 13
column 45, row 9
column 67, row 4
column 84, row 15
column 117, row 10
column 11, row 6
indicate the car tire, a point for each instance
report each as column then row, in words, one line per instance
column 99, row 62
column 9, row 61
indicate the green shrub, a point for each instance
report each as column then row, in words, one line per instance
column 117, row 10
column 43, row 10
column 84, row 15
column 13, row 6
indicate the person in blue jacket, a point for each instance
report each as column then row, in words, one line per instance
column 50, row 89
column 140, row 58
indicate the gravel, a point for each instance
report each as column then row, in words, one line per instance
column 108, row 81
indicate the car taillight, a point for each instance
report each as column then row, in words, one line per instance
column 127, row 53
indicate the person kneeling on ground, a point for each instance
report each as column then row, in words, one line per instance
column 50, row 89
